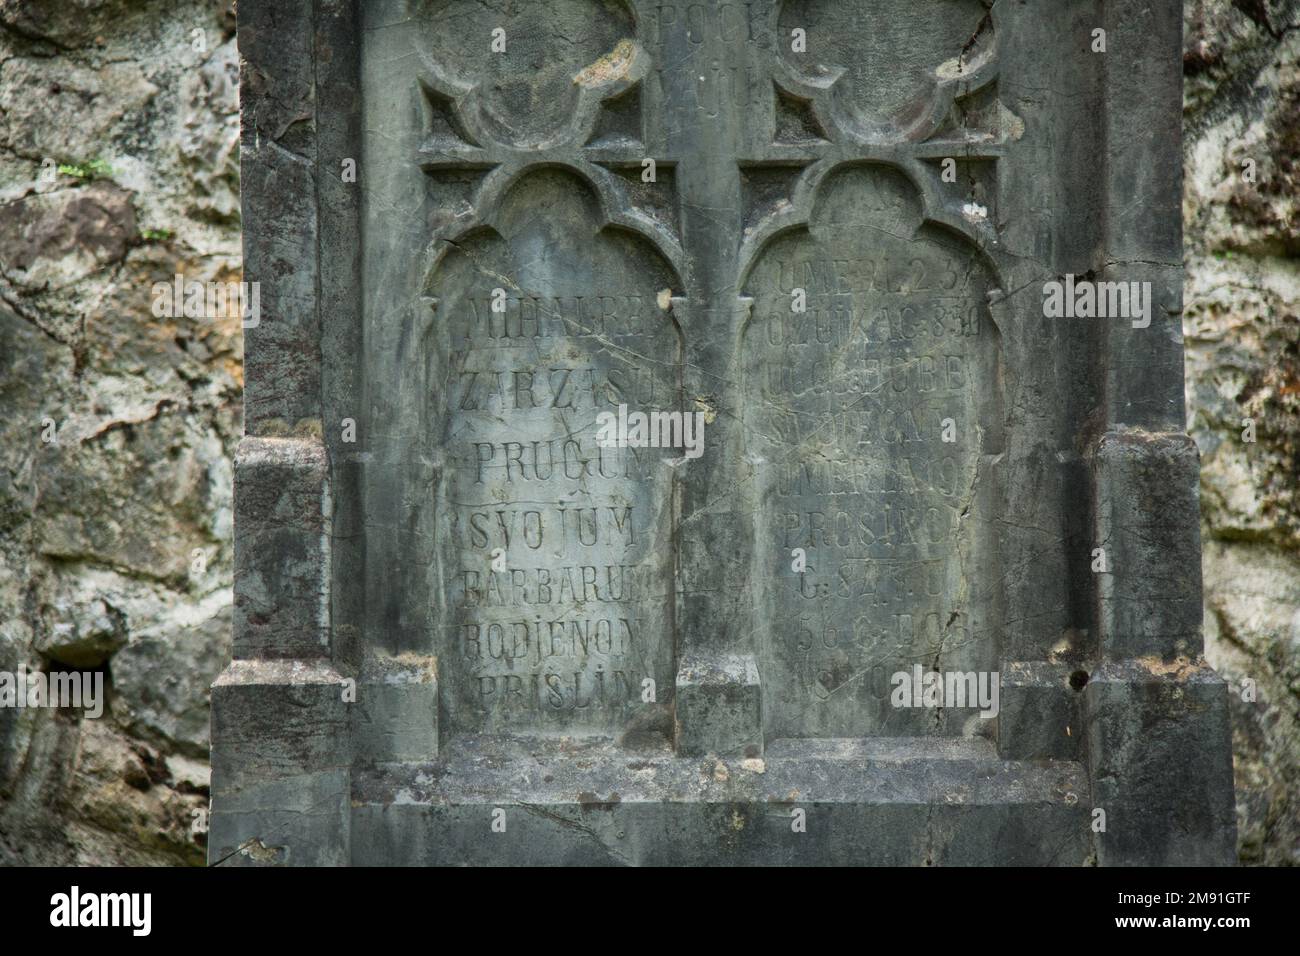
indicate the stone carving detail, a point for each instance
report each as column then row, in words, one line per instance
column 541, row 87
column 875, row 75
column 550, row 298
column 897, row 340
column 555, row 552
column 567, row 651
column 848, row 405
column 590, row 122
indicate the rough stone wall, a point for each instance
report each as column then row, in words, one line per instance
column 98, row 532
column 1242, row 326
column 115, row 538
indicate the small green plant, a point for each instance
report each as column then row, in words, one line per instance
column 155, row 235
column 91, row 169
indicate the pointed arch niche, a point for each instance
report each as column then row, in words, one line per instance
column 869, row 415
column 549, row 575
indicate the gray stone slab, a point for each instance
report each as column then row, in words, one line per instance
column 863, row 801
column 282, row 549
column 661, row 448
column 719, row 706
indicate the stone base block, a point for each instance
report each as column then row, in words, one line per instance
column 719, row 706
column 1148, row 525
column 297, row 820
column 1160, row 758
column 1039, row 711
column 280, row 779
column 282, row 549
column 397, row 709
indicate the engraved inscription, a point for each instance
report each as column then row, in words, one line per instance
column 555, row 550
column 850, row 403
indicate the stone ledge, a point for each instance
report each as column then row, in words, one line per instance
column 944, row 771
column 277, row 719
column 864, row 802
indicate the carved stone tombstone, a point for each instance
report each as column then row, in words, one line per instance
column 716, row 432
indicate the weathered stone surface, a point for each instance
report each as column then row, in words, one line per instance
column 132, row 494
column 69, row 24
column 719, row 707
column 1147, row 529
column 162, row 114
column 209, row 144
column 161, row 676
column 115, row 542
column 282, row 549
column 283, row 767
column 68, row 110
column 83, row 635
column 1039, row 716
column 58, row 240
column 872, row 801
column 481, row 619
column 397, row 708
column 1147, row 722
column 1243, row 300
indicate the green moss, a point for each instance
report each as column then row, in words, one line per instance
column 91, row 169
